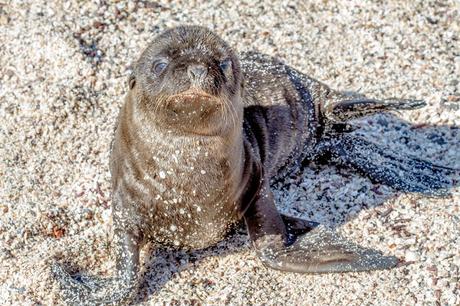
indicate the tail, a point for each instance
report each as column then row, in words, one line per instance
column 402, row 172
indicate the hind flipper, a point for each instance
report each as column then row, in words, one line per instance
column 402, row 172
column 341, row 110
column 318, row 251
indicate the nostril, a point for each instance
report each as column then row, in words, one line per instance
column 197, row 71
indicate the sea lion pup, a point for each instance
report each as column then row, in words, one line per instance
column 197, row 142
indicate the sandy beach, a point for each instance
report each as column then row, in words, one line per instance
column 64, row 67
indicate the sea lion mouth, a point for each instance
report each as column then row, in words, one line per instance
column 195, row 98
column 197, row 112
column 194, row 104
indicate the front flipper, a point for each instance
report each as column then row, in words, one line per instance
column 96, row 291
column 396, row 170
column 324, row 251
column 318, row 251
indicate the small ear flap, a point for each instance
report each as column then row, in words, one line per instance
column 132, row 81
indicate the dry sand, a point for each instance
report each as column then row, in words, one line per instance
column 63, row 71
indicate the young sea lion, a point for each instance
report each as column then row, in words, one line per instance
column 197, row 142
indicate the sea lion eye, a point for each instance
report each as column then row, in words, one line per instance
column 159, row 66
column 225, row 64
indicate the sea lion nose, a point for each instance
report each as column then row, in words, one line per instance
column 197, row 72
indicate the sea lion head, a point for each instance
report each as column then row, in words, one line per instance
column 189, row 79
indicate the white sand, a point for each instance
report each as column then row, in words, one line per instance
column 63, row 69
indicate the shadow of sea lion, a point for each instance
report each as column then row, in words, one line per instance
column 323, row 196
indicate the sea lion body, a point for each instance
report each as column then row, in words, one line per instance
column 183, row 199
column 198, row 141
column 189, row 189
